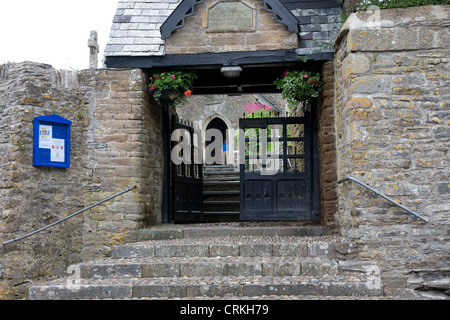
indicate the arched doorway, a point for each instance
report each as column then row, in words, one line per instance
column 220, row 125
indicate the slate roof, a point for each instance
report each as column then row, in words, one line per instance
column 136, row 26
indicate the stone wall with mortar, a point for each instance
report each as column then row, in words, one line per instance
column 33, row 197
column 327, row 147
column 393, row 132
column 135, row 30
column 124, row 150
column 115, row 144
column 260, row 32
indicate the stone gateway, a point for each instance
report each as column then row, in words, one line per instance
column 381, row 117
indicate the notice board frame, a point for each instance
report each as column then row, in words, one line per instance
column 51, row 141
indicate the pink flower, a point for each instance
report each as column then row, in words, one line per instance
column 173, row 77
column 305, row 76
column 286, row 73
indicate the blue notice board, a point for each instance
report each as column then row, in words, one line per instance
column 51, row 141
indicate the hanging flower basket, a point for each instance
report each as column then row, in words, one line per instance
column 171, row 88
column 299, row 86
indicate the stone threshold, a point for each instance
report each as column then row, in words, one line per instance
column 180, row 231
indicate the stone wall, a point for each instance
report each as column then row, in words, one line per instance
column 33, row 197
column 392, row 122
column 124, row 150
column 115, row 144
column 327, row 147
column 263, row 34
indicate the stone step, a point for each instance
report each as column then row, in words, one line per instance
column 221, row 202
column 227, row 184
column 201, row 267
column 221, row 186
column 340, row 285
column 220, row 179
column 223, row 246
column 219, row 260
column 230, row 168
column 221, row 173
column 235, row 229
column 221, row 193
column 221, row 213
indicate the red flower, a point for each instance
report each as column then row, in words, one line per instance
column 188, row 93
column 286, row 73
column 305, row 76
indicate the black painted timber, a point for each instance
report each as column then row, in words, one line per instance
column 187, row 8
column 284, row 195
column 176, row 19
column 209, row 59
column 311, row 4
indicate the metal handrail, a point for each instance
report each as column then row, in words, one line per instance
column 350, row 178
column 68, row 217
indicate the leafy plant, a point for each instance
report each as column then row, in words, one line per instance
column 299, row 86
column 171, row 88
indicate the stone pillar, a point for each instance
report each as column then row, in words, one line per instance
column 392, row 102
column 327, row 147
column 124, row 150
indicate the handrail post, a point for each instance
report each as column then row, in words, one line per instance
column 350, row 178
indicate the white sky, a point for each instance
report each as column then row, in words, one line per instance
column 53, row 31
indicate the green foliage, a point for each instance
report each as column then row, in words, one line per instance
column 299, row 86
column 256, row 110
column 175, row 86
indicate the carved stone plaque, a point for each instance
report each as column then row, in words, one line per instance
column 231, row 16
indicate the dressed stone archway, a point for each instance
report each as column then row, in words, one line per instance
column 179, row 38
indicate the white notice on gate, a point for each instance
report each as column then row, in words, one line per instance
column 57, row 153
column 45, row 137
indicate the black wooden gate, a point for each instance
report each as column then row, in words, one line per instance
column 187, row 173
column 279, row 173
